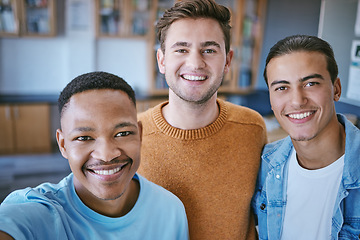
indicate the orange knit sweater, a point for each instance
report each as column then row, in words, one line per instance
column 212, row 170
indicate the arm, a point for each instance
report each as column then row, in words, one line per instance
column 5, row 236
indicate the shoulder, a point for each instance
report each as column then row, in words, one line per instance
column 277, row 151
column 158, row 194
column 243, row 115
column 146, row 115
column 157, row 190
column 30, row 209
column 44, row 193
column 24, row 212
column 350, row 129
column 151, row 118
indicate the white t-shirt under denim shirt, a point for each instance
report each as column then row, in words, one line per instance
column 311, row 196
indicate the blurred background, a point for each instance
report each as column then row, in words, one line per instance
column 44, row 44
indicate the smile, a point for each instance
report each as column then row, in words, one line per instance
column 107, row 172
column 301, row 115
column 193, row 78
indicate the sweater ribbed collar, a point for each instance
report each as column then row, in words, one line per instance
column 192, row 134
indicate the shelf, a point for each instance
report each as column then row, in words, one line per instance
column 9, row 18
column 27, row 18
column 123, row 18
column 39, row 18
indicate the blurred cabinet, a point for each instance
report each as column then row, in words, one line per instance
column 247, row 23
column 123, row 18
column 28, row 18
column 9, row 18
column 38, row 18
column 25, row 128
column 158, row 85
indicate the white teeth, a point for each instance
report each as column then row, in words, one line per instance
column 301, row 115
column 107, row 172
column 194, row 78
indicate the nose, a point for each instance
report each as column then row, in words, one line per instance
column 298, row 98
column 106, row 150
column 196, row 60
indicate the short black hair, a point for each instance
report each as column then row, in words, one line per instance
column 94, row 81
column 304, row 43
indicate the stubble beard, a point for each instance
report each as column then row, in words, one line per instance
column 196, row 99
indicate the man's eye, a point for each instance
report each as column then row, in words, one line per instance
column 83, row 138
column 180, row 51
column 280, row 88
column 309, row 84
column 208, row 51
column 123, row 134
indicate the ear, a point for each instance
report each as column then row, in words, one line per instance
column 160, row 60
column 140, row 126
column 337, row 89
column 61, row 142
column 229, row 57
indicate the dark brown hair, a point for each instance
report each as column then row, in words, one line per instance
column 305, row 43
column 195, row 9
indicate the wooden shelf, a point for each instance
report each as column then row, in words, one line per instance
column 39, row 18
column 9, row 18
column 123, row 18
column 28, row 18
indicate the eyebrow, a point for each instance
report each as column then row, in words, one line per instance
column 203, row 44
column 279, row 82
column 180, row 44
column 311, row 77
column 84, row 129
column 90, row 129
column 319, row 76
column 210, row 43
column 125, row 124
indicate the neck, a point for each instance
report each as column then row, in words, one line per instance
column 189, row 115
column 111, row 208
column 323, row 150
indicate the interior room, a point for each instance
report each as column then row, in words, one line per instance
column 45, row 44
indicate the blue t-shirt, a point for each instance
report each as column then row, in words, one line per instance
column 54, row 211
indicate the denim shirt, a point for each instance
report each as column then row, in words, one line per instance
column 269, row 200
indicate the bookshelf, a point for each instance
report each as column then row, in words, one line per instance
column 9, row 18
column 38, row 18
column 123, row 18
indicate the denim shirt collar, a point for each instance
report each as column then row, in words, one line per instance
column 277, row 153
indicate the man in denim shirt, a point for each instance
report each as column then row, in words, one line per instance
column 309, row 182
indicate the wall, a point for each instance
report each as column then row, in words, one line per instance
column 285, row 18
column 337, row 26
column 46, row 65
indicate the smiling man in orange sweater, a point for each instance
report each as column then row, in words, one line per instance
column 203, row 149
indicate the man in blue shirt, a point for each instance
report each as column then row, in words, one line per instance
column 103, row 197
column 309, row 182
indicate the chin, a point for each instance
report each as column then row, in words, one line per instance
column 301, row 138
